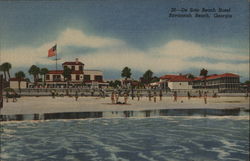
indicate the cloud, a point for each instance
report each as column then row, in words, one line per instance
column 26, row 56
column 172, row 57
column 73, row 37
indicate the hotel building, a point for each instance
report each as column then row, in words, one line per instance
column 175, row 82
column 226, row 82
column 78, row 77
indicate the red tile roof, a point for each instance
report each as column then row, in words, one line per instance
column 215, row 76
column 168, row 76
column 222, row 75
column 198, row 78
column 61, row 72
column 16, row 79
column 176, row 78
column 180, row 78
column 77, row 72
column 55, row 72
column 72, row 63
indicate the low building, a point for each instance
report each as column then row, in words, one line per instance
column 227, row 82
column 78, row 77
column 14, row 83
column 175, row 82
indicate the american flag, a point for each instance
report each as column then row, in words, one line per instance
column 52, row 51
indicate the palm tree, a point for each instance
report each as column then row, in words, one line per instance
column 43, row 72
column 19, row 75
column 190, row 76
column 203, row 73
column 34, row 70
column 67, row 76
column 6, row 68
column 1, row 70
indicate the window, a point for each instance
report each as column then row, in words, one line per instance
column 73, row 68
column 80, row 68
column 77, row 77
column 98, row 78
column 56, row 77
column 86, row 77
column 47, row 77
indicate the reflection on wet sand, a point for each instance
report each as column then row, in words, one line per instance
column 111, row 114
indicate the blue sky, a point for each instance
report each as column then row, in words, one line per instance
column 111, row 34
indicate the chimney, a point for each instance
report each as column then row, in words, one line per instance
column 77, row 61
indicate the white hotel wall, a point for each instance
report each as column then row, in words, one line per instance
column 179, row 85
column 70, row 66
column 51, row 77
column 14, row 84
column 93, row 73
column 73, row 77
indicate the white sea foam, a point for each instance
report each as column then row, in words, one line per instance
column 146, row 157
column 222, row 154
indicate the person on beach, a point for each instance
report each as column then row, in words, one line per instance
column 125, row 97
column 149, row 95
column 14, row 96
column 138, row 95
column 7, row 96
column 113, row 97
column 188, row 94
column 92, row 92
column 155, row 96
column 53, row 94
column 199, row 94
column 175, row 96
column 205, row 97
column 76, row 95
column 160, row 95
column 116, row 97
column 132, row 93
column 1, row 102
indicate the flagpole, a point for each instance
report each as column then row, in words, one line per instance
column 56, row 57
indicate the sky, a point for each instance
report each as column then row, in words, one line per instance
column 110, row 34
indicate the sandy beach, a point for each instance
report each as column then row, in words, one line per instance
column 31, row 105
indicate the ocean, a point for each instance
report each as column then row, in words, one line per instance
column 160, row 138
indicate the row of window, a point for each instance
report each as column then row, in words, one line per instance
column 228, row 86
column 86, row 77
column 221, row 80
column 73, row 68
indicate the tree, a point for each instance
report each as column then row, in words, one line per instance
column 203, row 73
column 115, row 83
column 67, row 74
column 126, row 72
column 43, row 72
column 2, row 70
column 247, row 82
column 6, row 68
column 190, row 76
column 155, row 79
column 147, row 76
column 34, row 70
column 20, row 76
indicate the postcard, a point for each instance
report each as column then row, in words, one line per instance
column 127, row 80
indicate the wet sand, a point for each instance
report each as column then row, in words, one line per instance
column 31, row 105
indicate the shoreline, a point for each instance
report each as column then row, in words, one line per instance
column 201, row 113
column 40, row 105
